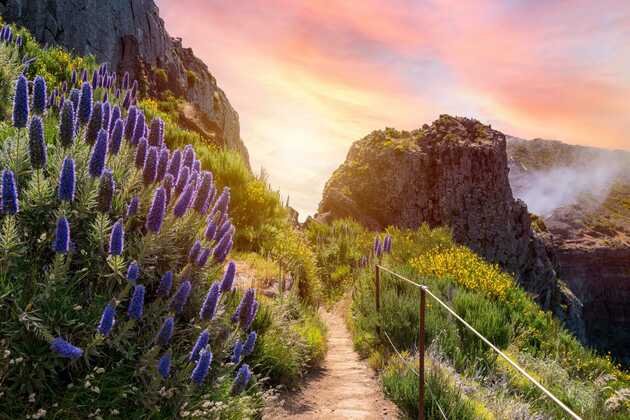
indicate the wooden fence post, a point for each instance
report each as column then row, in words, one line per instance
column 421, row 353
column 377, row 295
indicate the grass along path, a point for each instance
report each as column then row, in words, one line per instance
column 343, row 388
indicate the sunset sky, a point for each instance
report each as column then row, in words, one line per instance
column 310, row 77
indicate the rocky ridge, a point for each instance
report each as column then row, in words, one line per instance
column 452, row 173
column 130, row 36
column 590, row 236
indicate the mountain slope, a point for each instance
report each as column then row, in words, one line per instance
column 583, row 197
column 130, row 36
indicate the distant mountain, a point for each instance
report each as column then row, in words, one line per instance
column 130, row 36
column 583, row 197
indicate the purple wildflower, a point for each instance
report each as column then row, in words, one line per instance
column 115, row 116
column 106, row 191
column 156, row 136
column 95, row 124
column 127, row 100
column 168, row 186
column 209, row 306
column 130, row 123
column 182, row 180
column 115, row 139
column 155, row 217
column 194, row 251
column 149, row 172
column 10, row 201
column 166, row 283
column 222, row 202
column 66, row 124
column 244, row 308
column 141, row 153
column 202, row 260
column 138, row 131
column 20, row 103
column 237, row 352
column 228, row 277
column 197, row 165
column 117, row 238
column 200, row 344
column 211, row 230
column 162, row 164
column 166, row 332
column 136, row 305
column 107, row 113
column 200, row 371
column 108, row 318
column 85, row 103
column 133, row 272
column 39, row 95
column 202, row 193
column 67, row 182
column 181, row 296
column 65, row 349
column 248, row 348
column 36, row 144
column 243, row 377
column 132, row 208
column 189, row 156
column 62, row 236
column 164, row 365
column 75, row 96
column 183, row 202
column 175, row 163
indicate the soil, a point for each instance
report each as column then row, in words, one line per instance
column 343, row 388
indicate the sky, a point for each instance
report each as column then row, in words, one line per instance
column 308, row 78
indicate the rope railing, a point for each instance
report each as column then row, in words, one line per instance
column 425, row 290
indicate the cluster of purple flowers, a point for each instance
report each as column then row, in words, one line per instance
column 246, row 310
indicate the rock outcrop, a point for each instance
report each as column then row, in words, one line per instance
column 452, row 173
column 130, row 36
column 589, row 235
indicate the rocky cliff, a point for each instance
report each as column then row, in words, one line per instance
column 454, row 173
column 130, row 36
column 590, row 228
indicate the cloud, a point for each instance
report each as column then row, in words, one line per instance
column 308, row 78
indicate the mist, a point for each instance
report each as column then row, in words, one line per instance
column 547, row 190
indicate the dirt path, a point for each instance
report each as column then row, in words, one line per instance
column 344, row 388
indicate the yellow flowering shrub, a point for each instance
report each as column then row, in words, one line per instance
column 466, row 268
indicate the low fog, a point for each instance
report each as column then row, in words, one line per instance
column 545, row 191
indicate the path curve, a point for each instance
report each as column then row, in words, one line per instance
column 343, row 388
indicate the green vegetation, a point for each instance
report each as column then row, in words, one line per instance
column 45, row 295
column 491, row 301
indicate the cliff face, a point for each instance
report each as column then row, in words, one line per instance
column 590, row 231
column 452, row 173
column 130, row 36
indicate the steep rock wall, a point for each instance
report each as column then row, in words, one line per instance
column 130, row 36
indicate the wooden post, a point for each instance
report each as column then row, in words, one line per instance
column 377, row 295
column 421, row 353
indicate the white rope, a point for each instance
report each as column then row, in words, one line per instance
column 492, row 346
column 416, row 372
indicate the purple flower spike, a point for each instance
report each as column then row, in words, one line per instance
column 141, row 153
column 201, row 197
column 243, row 377
column 117, row 238
column 204, row 255
column 209, row 306
column 10, row 202
column 248, row 348
column 85, row 103
column 166, row 332
column 67, row 182
column 132, row 208
column 194, row 251
column 181, row 297
column 175, row 163
column 162, row 164
column 107, row 113
column 136, row 305
column 222, row 204
column 200, row 371
column 189, row 156
column 108, row 319
column 39, row 95
column 166, row 283
column 211, row 230
column 115, row 139
column 237, row 352
column 62, row 236
column 138, row 132
column 149, row 172
column 66, row 124
column 228, row 277
column 130, row 123
column 133, row 272
column 200, row 344
column 20, row 103
column 106, row 191
column 164, row 365
column 183, row 202
column 155, row 217
column 168, row 186
column 243, row 311
column 37, row 149
column 99, row 152
column 65, row 349
column 182, row 180
column 156, row 137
